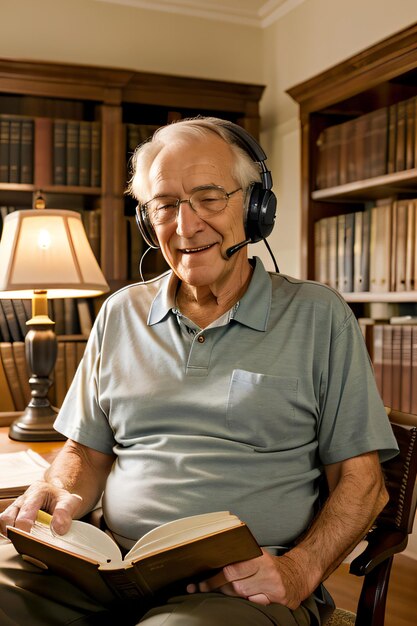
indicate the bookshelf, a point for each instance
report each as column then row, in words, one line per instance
column 67, row 132
column 109, row 101
column 380, row 79
column 359, row 199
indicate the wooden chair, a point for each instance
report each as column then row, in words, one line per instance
column 389, row 535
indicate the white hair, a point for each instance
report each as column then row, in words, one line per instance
column 245, row 170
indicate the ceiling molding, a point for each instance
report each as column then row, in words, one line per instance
column 255, row 13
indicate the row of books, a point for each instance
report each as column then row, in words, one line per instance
column 137, row 134
column 14, row 374
column 16, row 149
column 372, row 250
column 54, row 151
column 72, row 316
column 393, row 350
column 76, row 150
column 91, row 220
column 377, row 143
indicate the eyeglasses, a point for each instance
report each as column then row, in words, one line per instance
column 206, row 201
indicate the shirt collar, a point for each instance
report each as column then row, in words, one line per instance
column 254, row 306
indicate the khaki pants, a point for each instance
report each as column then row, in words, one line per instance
column 31, row 597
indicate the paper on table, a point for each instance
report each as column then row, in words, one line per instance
column 18, row 470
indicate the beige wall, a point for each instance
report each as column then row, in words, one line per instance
column 98, row 33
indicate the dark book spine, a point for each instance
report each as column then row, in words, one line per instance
column 26, row 153
column 73, row 153
column 85, row 154
column 14, row 160
column 59, row 152
column 95, row 154
column 4, row 149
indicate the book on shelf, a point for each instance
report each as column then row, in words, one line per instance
column 16, row 149
column 381, row 142
column 392, row 346
column 6, row 398
column 12, row 375
column 19, row 355
column 4, row 149
column 72, row 153
column 380, row 247
column 59, row 152
column 43, row 151
column 186, row 550
column 18, row 470
column 410, row 120
column 400, row 147
column 95, row 176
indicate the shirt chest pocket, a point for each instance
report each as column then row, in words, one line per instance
column 261, row 409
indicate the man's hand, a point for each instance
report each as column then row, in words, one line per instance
column 262, row 580
column 61, row 504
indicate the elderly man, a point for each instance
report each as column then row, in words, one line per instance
column 215, row 386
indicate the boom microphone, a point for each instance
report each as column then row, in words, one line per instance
column 230, row 251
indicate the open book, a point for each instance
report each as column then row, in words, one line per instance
column 187, row 549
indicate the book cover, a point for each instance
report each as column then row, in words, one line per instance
column 183, row 550
column 43, row 151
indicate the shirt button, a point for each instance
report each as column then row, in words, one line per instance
column 201, row 339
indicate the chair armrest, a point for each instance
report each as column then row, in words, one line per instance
column 382, row 544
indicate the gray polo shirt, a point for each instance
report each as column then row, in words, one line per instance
column 239, row 416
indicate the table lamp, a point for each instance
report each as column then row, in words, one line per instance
column 44, row 253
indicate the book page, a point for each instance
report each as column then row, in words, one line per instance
column 82, row 538
column 182, row 531
column 18, row 470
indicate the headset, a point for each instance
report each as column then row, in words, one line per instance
column 261, row 200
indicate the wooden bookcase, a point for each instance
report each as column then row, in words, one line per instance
column 380, row 76
column 334, row 107
column 114, row 98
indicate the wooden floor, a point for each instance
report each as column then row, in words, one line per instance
column 402, row 593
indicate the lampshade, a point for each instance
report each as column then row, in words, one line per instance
column 47, row 249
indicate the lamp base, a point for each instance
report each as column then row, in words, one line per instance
column 36, row 424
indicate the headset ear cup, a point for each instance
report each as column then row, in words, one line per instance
column 145, row 228
column 260, row 213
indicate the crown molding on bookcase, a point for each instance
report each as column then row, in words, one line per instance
column 247, row 12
